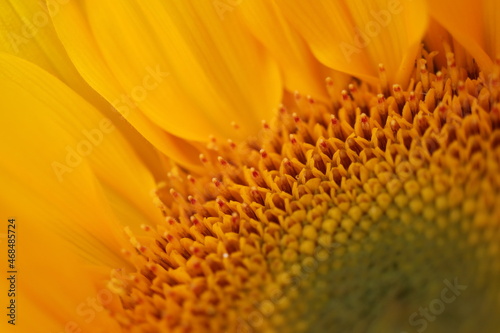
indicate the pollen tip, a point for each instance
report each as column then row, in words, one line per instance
column 145, row 227
column 203, row 159
column 174, row 193
column 411, row 96
column 216, row 182
column 152, row 267
column 461, row 86
column 192, row 200
column 219, row 202
column 194, row 220
column 263, row 153
column 255, row 173
column 235, row 125
column 191, row 179
column 450, row 59
column 380, row 98
column 334, row 120
column 235, row 218
column 231, row 143
column 439, row 75
column 222, row 161
column 394, row 124
column 282, row 109
column 345, row 95
column 197, row 265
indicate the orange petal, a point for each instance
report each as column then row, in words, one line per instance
column 472, row 24
column 491, row 21
column 355, row 36
column 301, row 70
column 173, row 65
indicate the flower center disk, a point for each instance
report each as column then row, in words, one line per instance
column 373, row 213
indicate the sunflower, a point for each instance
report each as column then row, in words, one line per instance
column 251, row 166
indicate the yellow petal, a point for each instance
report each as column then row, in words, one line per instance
column 475, row 25
column 107, row 83
column 300, row 69
column 61, row 223
column 355, row 36
column 53, row 285
column 79, row 138
column 189, row 71
column 491, row 21
column 26, row 31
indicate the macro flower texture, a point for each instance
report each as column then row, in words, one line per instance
column 250, row 166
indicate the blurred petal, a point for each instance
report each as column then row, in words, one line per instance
column 26, row 31
column 62, row 224
column 472, row 24
column 182, row 66
column 53, row 281
column 355, row 36
column 78, row 137
column 491, row 19
column 301, row 70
